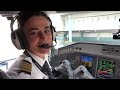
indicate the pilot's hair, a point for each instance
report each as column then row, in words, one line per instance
column 23, row 16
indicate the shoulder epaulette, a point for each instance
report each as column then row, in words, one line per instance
column 25, row 67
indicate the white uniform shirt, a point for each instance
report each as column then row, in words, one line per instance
column 13, row 71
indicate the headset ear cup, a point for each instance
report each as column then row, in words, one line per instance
column 15, row 40
column 19, row 40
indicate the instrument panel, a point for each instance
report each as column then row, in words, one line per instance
column 101, row 60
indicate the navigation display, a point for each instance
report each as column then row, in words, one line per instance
column 105, row 69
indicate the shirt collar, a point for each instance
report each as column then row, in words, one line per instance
column 38, row 59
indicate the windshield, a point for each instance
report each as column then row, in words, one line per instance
column 94, row 26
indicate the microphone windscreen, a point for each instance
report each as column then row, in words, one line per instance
column 46, row 46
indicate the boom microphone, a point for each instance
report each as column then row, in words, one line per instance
column 46, row 46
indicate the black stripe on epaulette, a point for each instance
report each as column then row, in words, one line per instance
column 25, row 67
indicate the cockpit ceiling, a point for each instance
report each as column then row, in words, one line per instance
column 12, row 13
column 8, row 13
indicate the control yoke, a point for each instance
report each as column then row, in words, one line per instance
column 66, row 65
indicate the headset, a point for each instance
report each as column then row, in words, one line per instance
column 18, row 37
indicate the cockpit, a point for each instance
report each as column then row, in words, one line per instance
column 88, row 44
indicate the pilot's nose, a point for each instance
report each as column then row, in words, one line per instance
column 43, row 36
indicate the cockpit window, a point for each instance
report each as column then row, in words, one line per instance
column 96, row 26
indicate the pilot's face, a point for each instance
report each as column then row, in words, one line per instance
column 37, row 31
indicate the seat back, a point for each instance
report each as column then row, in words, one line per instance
column 4, row 75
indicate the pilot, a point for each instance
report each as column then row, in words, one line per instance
column 35, row 35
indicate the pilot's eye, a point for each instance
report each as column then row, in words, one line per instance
column 34, row 33
column 48, row 31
